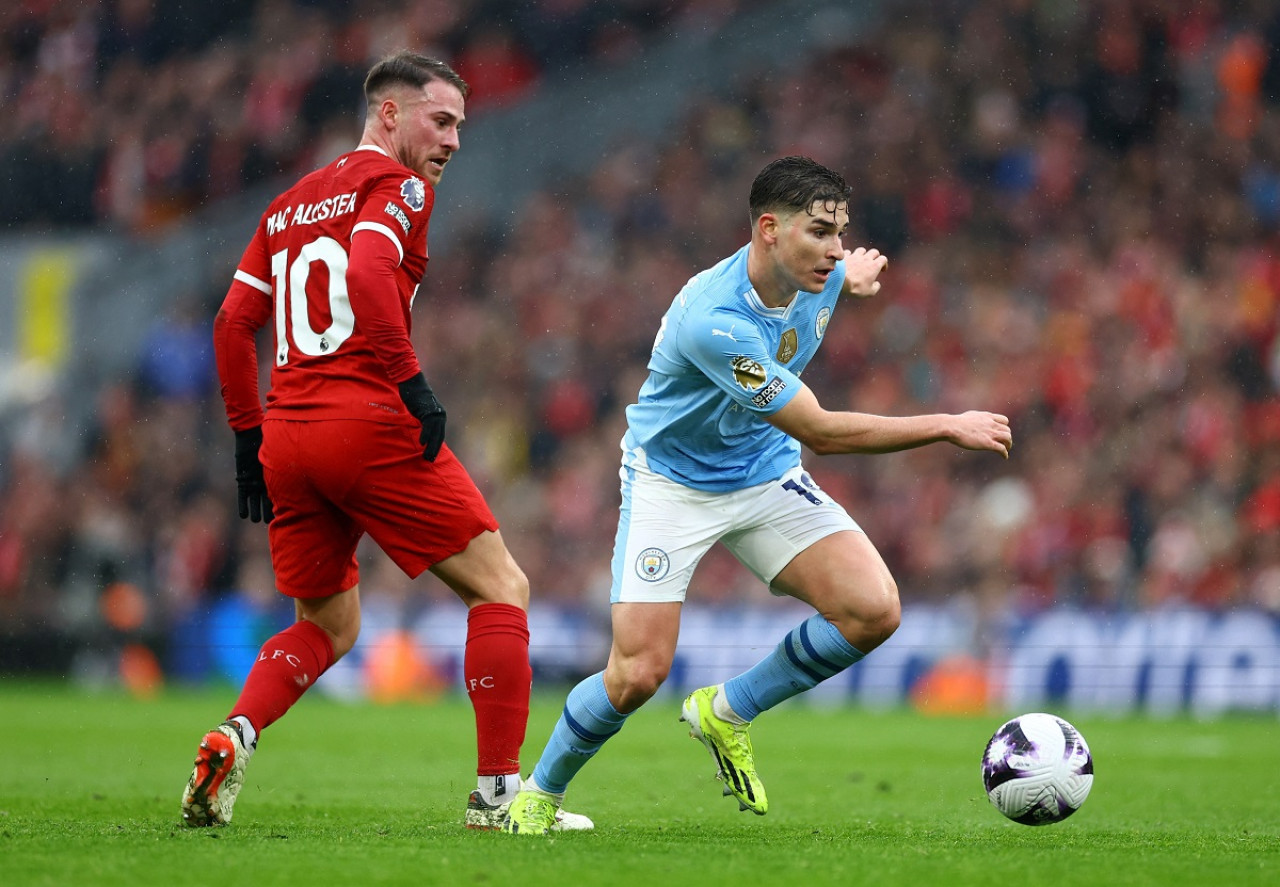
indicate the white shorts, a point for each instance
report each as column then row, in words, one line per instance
column 665, row 528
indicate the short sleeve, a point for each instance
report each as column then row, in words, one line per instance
column 729, row 350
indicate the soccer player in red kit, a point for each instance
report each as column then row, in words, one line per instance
column 352, row 438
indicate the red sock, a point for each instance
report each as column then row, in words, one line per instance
column 498, row 678
column 287, row 666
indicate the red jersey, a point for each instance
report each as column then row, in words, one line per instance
column 335, row 261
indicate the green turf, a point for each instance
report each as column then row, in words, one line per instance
column 357, row 794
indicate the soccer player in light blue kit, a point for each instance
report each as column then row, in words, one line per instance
column 712, row 454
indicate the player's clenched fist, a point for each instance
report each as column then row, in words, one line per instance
column 977, row 430
column 861, row 268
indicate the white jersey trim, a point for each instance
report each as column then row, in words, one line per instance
column 252, row 281
column 381, row 229
column 757, row 305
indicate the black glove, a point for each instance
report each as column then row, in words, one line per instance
column 421, row 402
column 251, row 487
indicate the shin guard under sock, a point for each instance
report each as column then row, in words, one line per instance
column 288, row 664
column 498, row 678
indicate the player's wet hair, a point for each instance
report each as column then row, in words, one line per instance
column 792, row 184
column 407, row 68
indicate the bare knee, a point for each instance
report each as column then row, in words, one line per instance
column 632, row 683
column 881, row 625
column 343, row 637
column 869, row 618
column 511, row 586
column 338, row 616
column 485, row 573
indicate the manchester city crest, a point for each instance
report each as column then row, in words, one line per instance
column 820, row 323
column 652, row 564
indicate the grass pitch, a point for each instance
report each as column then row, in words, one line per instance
column 362, row 794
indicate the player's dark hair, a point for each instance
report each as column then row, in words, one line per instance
column 793, row 184
column 409, row 69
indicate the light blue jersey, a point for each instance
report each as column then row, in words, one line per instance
column 722, row 361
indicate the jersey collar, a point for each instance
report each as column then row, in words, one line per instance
column 753, row 300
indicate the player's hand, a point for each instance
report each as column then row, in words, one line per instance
column 976, row 430
column 251, row 486
column 421, row 403
column 861, row 268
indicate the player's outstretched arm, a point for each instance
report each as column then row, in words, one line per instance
column 828, row 433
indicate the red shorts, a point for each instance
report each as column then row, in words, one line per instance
column 334, row 480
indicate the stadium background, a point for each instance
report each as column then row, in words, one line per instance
column 1080, row 201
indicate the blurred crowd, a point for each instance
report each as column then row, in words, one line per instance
column 132, row 113
column 1080, row 202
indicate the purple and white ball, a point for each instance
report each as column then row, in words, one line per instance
column 1037, row 769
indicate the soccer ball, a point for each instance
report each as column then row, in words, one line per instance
column 1037, row 769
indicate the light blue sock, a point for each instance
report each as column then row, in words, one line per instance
column 587, row 721
column 810, row 653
